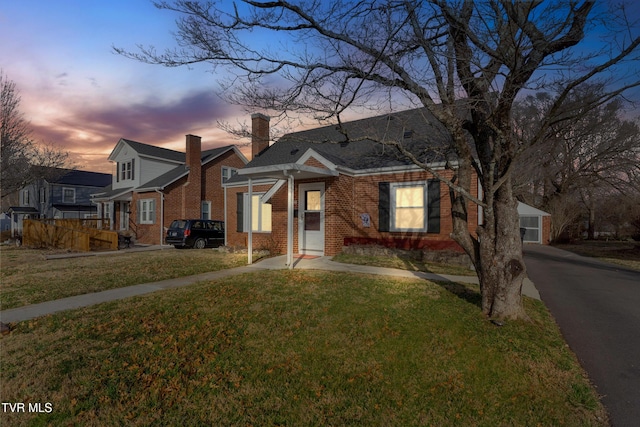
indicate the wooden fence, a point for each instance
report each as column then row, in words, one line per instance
column 73, row 234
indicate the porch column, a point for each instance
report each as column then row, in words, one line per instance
column 250, row 235
column 290, row 191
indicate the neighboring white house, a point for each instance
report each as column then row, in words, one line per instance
column 537, row 224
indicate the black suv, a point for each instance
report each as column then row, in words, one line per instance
column 195, row 233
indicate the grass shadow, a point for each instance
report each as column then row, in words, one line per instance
column 466, row 292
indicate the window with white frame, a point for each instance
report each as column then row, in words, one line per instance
column 228, row 172
column 260, row 214
column 68, row 195
column 106, row 210
column 43, row 195
column 147, row 213
column 531, row 225
column 408, row 206
column 127, row 170
column 25, row 197
column 206, row 210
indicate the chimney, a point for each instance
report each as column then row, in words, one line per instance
column 193, row 189
column 259, row 133
column 194, row 152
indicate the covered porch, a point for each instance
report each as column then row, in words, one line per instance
column 308, row 206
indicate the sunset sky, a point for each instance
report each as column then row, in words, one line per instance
column 78, row 94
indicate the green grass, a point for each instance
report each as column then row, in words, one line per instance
column 27, row 277
column 296, row 348
column 403, row 263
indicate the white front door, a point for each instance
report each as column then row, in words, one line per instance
column 311, row 218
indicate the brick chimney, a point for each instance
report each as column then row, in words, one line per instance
column 192, row 191
column 259, row 133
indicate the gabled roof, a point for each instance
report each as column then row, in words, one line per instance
column 362, row 147
column 85, row 178
column 73, row 177
column 151, row 151
column 110, row 193
column 178, row 172
column 524, row 209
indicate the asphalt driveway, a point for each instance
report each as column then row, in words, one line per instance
column 597, row 306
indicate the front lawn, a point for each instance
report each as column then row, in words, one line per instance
column 296, row 348
column 404, row 263
column 27, row 277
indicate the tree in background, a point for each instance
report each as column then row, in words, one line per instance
column 585, row 158
column 15, row 136
column 19, row 152
column 465, row 62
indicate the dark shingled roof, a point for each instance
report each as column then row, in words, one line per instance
column 65, row 176
column 153, row 151
column 85, row 178
column 362, row 147
column 182, row 170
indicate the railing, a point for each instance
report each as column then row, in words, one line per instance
column 74, row 234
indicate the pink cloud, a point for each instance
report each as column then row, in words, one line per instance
column 90, row 133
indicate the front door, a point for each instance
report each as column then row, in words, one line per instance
column 311, row 218
column 124, row 215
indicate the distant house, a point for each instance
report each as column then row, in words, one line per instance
column 152, row 186
column 535, row 224
column 58, row 193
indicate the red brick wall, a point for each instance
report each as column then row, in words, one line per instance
column 183, row 200
column 345, row 199
column 146, row 233
column 212, row 182
column 546, row 230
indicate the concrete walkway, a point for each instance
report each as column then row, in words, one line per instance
column 32, row 311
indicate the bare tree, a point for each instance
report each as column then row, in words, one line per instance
column 23, row 161
column 585, row 157
column 464, row 61
column 15, row 137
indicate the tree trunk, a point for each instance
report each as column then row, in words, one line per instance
column 500, row 265
column 591, row 230
column 497, row 252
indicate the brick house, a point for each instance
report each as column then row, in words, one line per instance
column 152, row 186
column 314, row 191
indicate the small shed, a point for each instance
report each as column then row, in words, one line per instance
column 536, row 224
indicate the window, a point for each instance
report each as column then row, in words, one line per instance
column 206, row 210
column 43, row 195
column 68, row 195
column 25, row 197
column 127, row 170
column 409, row 206
column 260, row 214
column 532, row 226
column 228, row 172
column 147, row 213
column 106, row 210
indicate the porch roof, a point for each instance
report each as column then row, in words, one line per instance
column 22, row 210
column 283, row 171
column 111, row 195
